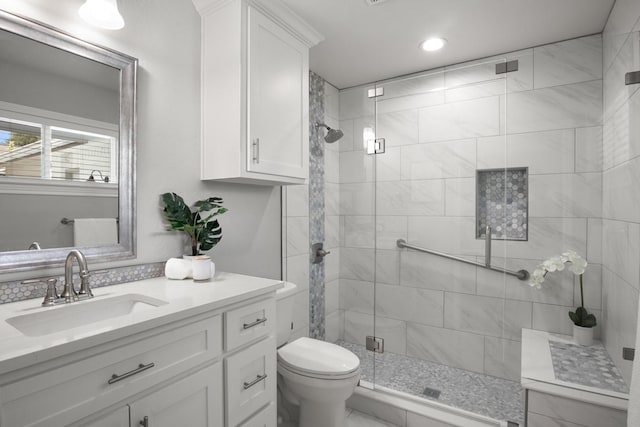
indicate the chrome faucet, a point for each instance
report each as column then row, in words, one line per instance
column 69, row 293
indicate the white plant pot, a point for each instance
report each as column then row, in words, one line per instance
column 582, row 336
column 191, row 257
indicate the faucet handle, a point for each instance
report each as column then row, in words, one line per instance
column 85, row 288
column 51, row 296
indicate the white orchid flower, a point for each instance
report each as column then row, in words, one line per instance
column 577, row 266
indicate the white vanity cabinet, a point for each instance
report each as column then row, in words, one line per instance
column 213, row 369
column 195, row 400
column 255, row 92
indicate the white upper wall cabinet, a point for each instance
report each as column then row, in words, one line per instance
column 255, row 92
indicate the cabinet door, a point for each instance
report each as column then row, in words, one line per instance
column 251, row 377
column 278, row 100
column 194, row 401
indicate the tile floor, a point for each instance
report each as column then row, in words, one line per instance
column 482, row 394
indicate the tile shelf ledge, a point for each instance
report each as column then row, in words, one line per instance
column 537, row 373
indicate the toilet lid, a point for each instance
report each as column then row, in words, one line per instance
column 318, row 357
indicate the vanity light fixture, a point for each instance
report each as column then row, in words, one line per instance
column 433, row 44
column 92, row 178
column 102, row 14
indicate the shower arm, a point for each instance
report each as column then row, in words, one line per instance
column 520, row 274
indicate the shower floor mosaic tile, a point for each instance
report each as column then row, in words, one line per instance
column 482, row 394
column 590, row 366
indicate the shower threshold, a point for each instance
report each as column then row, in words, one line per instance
column 493, row 397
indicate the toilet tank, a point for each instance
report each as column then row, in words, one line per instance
column 284, row 312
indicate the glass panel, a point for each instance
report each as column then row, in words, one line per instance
column 357, row 225
column 442, row 320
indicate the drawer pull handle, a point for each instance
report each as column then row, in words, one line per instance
column 145, row 422
column 254, row 382
column 252, row 324
column 141, row 367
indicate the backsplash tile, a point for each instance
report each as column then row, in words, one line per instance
column 17, row 291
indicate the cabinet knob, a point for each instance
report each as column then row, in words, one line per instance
column 145, row 422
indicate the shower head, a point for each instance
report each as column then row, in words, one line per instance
column 332, row 134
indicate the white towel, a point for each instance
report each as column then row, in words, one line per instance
column 95, row 231
column 633, row 412
column 176, row 268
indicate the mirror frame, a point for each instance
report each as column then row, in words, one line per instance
column 11, row 261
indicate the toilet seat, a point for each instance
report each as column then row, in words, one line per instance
column 318, row 359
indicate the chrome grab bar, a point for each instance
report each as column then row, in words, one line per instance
column 520, row 274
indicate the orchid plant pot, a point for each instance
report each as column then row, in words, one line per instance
column 582, row 335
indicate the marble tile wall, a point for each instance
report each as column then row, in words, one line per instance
column 620, row 181
column 440, row 127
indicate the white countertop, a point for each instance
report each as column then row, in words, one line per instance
column 537, row 372
column 184, row 298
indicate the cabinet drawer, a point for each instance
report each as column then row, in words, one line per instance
column 251, row 380
column 267, row 417
column 248, row 323
column 74, row 391
column 574, row 411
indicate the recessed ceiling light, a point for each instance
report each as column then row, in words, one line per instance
column 433, row 44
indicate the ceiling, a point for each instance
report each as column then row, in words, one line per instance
column 366, row 43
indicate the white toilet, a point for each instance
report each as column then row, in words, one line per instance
column 316, row 375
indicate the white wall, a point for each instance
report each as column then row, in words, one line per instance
column 165, row 36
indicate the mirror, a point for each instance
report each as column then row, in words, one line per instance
column 67, row 147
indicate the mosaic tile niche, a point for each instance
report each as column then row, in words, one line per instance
column 502, row 203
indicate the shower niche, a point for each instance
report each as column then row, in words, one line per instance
column 502, row 203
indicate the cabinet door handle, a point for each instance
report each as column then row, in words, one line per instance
column 145, row 422
column 254, row 382
column 252, row 324
column 141, row 367
column 256, row 150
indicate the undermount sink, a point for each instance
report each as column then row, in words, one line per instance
column 73, row 315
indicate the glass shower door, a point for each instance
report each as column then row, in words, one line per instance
column 439, row 180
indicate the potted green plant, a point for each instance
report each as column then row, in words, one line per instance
column 198, row 222
column 583, row 321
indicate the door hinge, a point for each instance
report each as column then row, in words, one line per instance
column 375, row 92
column 375, row 344
column 632, row 78
column 375, row 146
column 507, row 67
